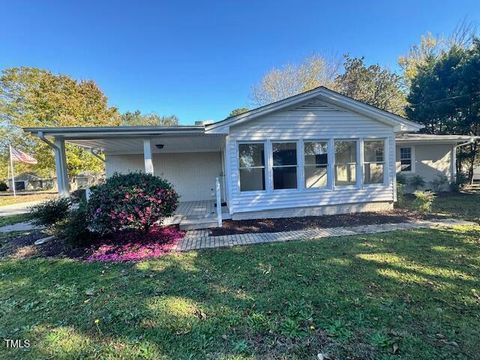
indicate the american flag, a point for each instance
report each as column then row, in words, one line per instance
column 18, row 155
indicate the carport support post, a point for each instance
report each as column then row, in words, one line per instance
column 147, row 156
column 61, row 167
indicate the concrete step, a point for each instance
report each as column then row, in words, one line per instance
column 173, row 220
column 194, row 224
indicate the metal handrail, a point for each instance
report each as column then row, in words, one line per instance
column 218, row 195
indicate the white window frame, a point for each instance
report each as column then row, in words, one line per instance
column 265, row 160
column 412, row 159
column 385, row 162
column 358, row 164
column 271, row 166
column 331, row 186
column 328, row 186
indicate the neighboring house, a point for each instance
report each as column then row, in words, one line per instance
column 85, row 180
column 314, row 153
column 31, row 182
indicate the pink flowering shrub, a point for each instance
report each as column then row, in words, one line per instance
column 132, row 246
column 133, row 201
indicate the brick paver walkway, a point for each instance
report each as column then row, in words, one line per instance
column 200, row 239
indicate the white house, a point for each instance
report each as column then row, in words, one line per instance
column 318, row 152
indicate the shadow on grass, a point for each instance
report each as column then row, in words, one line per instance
column 417, row 289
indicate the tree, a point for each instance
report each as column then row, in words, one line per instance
column 238, row 111
column 136, row 118
column 372, row 84
column 444, row 97
column 432, row 47
column 292, row 79
column 419, row 55
column 31, row 97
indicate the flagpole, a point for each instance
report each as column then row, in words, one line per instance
column 13, row 172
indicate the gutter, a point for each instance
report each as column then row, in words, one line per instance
column 106, row 132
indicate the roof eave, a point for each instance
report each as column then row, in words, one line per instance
column 439, row 140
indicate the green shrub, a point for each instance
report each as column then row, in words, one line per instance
column 416, row 182
column 50, row 212
column 400, row 194
column 462, row 179
column 423, row 201
column 439, row 183
column 78, row 195
column 454, row 187
column 401, row 179
column 74, row 228
column 130, row 201
column 3, row 186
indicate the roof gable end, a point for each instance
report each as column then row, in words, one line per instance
column 326, row 96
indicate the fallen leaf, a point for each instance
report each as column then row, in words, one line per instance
column 200, row 314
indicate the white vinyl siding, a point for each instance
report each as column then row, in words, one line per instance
column 311, row 122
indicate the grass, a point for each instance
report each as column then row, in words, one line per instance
column 463, row 205
column 415, row 293
column 23, row 198
column 13, row 219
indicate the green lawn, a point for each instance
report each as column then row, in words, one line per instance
column 352, row 297
column 13, row 219
column 23, row 198
column 463, row 205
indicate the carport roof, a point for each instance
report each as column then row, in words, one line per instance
column 96, row 132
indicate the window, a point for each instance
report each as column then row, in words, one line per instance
column 406, row 159
column 373, row 161
column 316, row 163
column 345, row 162
column 284, row 165
column 252, row 166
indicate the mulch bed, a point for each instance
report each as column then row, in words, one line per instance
column 125, row 246
column 133, row 246
column 233, row 227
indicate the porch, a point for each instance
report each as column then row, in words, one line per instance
column 191, row 160
column 191, row 215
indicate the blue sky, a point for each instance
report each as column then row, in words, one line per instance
column 199, row 59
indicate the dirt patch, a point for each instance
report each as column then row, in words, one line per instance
column 231, row 227
column 21, row 246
